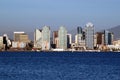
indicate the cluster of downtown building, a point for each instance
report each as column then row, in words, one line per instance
column 61, row 40
column 85, row 39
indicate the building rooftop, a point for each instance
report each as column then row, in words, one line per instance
column 20, row 32
column 89, row 24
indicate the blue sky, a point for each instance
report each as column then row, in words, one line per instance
column 26, row 15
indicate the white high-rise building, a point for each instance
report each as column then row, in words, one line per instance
column 76, row 39
column 38, row 38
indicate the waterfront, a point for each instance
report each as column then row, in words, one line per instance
column 59, row 66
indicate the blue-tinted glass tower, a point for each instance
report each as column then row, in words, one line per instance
column 46, row 38
column 62, row 37
column 89, row 36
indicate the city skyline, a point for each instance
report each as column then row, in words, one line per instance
column 61, row 39
column 29, row 14
column 73, row 32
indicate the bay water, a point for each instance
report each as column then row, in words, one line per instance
column 59, row 66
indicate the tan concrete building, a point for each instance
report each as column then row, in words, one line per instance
column 21, row 37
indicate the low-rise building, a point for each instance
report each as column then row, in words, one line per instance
column 1, row 42
column 18, row 45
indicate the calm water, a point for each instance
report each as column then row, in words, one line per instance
column 59, row 66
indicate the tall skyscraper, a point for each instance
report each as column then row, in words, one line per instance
column 89, row 37
column 79, row 35
column 38, row 38
column 108, row 37
column 79, row 30
column 62, row 36
column 46, row 38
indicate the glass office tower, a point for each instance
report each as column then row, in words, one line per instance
column 46, row 38
column 89, row 36
column 62, row 37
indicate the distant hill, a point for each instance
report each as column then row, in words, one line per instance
column 116, row 31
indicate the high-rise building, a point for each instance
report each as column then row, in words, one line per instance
column 24, row 38
column 17, row 34
column 38, row 38
column 83, row 37
column 69, row 40
column 76, row 39
column 79, row 35
column 46, row 38
column 89, row 37
column 99, row 38
column 103, row 39
column 62, row 36
column 79, row 30
column 55, row 39
column 21, row 37
column 108, row 37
